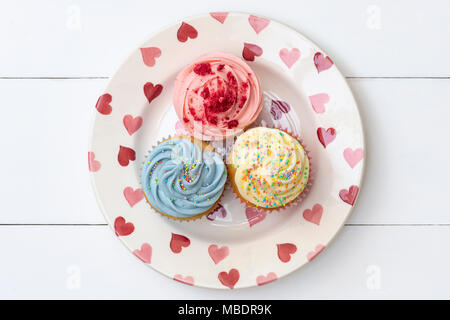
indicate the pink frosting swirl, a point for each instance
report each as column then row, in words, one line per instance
column 217, row 96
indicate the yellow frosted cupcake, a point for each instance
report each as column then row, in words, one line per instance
column 268, row 168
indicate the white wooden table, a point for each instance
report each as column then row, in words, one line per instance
column 55, row 60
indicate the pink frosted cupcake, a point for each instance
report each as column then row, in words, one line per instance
column 217, row 96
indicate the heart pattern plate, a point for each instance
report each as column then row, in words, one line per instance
column 234, row 246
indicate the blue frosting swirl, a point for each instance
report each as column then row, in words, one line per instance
column 181, row 180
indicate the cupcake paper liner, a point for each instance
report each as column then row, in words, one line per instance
column 293, row 202
column 204, row 145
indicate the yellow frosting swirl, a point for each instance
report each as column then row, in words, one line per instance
column 271, row 167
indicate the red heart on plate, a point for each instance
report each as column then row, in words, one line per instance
column 122, row 227
column 186, row 280
column 219, row 212
column 186, row 31
column 219, row 16
column 326, row 136
column 313, row 215
column 151, row 91
column 125, row 156
column 179, row 241
column 229, row 279
column 251, row 51
column 132, row 124
column 312, row 254
column 318, row 102
column 285, row 250
column 271, row 276
column 257, row 23
column 94, row 165
column 254, row 215
column 149, row 55
column 353, row 157
column 349, row 195
column 145, row 253
column 289, row 57
column 218, row 254
column 103, row 104
column 133, row 196
column 321, row 62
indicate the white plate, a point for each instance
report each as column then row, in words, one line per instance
column 236, row 247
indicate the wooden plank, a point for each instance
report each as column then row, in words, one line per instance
column 88, row 38
column 89, row 262
column 44, row 163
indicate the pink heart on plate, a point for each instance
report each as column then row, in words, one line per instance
column 123, row 228
column 178, row 241
column 353, row 157
column 285, row 250
column 186, row 31
column 312, row 254
column 257, row 23
column 318, row 102
column 230, row 278
column 251, row 51
column 326, row 136
column 349, row 196
column 313, row 215
column 132, row 124
column 219, row 212
column 218, row 254
column 271, row 276
column 103, row 104
column 219, row 16
column 149, row 55
column 254, row 215
column 125, row 156
column 94, row 165
column 145, row 253
column 133, row 196
column 151, row 91
column 186, row 280
column 289, row 57
column 321, row 62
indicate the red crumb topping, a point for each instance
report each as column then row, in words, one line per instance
column 219, row 97
column 220, row 101
column 243, row 99
column 231, row 79
column 205, row 93
column 212, row 120
column 196, row 118
column 202, row 69
column 232, row 124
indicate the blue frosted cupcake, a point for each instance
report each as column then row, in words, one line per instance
column 183, row 178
